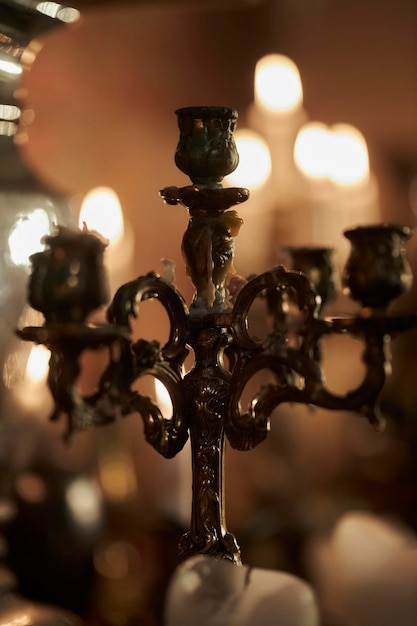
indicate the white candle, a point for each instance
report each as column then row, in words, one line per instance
column 278, row 88
column 355, row 188
column 253, row 172
column 349, row 169
column 254, row 166
column 277, row 113
column 311, row 156
column 342, row 191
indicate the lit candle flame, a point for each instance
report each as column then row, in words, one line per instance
column 349, row 164
column 101, row 211
column 338, row 153
column 311, row 150
column 254, row 160
column 84, row 503
column 278, row 85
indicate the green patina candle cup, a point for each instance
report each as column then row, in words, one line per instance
column 68, row 280
column 377, row 271
column 206, row 150
column 316, row 263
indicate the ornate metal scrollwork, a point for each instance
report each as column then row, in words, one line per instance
column 207, row 400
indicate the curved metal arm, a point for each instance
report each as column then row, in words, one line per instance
column 128, row 361
column 362, row 400
column 67, row 342
column 250, row 355
column 246, row 430
column 126, row 304
column 298, row 370
column 167, row 436
column 281, row 280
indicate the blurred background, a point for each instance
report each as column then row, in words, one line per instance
column 103, row 92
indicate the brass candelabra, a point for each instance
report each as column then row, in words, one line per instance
column 67, row 284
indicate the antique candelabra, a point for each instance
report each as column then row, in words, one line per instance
column 67, row 283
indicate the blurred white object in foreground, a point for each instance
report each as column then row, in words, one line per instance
column 211, row 592
column 366, row 573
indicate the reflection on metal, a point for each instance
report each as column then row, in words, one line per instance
column 68, row 15
column 68, row 282
column 25, row 237
column 27, row 208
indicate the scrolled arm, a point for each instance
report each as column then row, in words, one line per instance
column 126, row 304
column 247, row 429
column 281, row 280
column 299, row 379
column 167, row 435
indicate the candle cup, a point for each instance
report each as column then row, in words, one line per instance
column 316, row 263
column 206, row 150
column 68, row 279
column 377, row 271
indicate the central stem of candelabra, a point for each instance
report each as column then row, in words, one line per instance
column 206, row 152
column 206, row 391
column 67, row 284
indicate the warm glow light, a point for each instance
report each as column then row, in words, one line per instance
column 101, row 211
column 254, row 160
column 349, row 163
column 55, row 10
column 338, row 153
column 163, row 399
column 117, row 476
column 10, row 67
column 113, row 559
column 277, row 83
column 84, row 502
column 27, row 377
column 31, row 487
column 311, row 150
column 26, row 236
column 37, row 364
